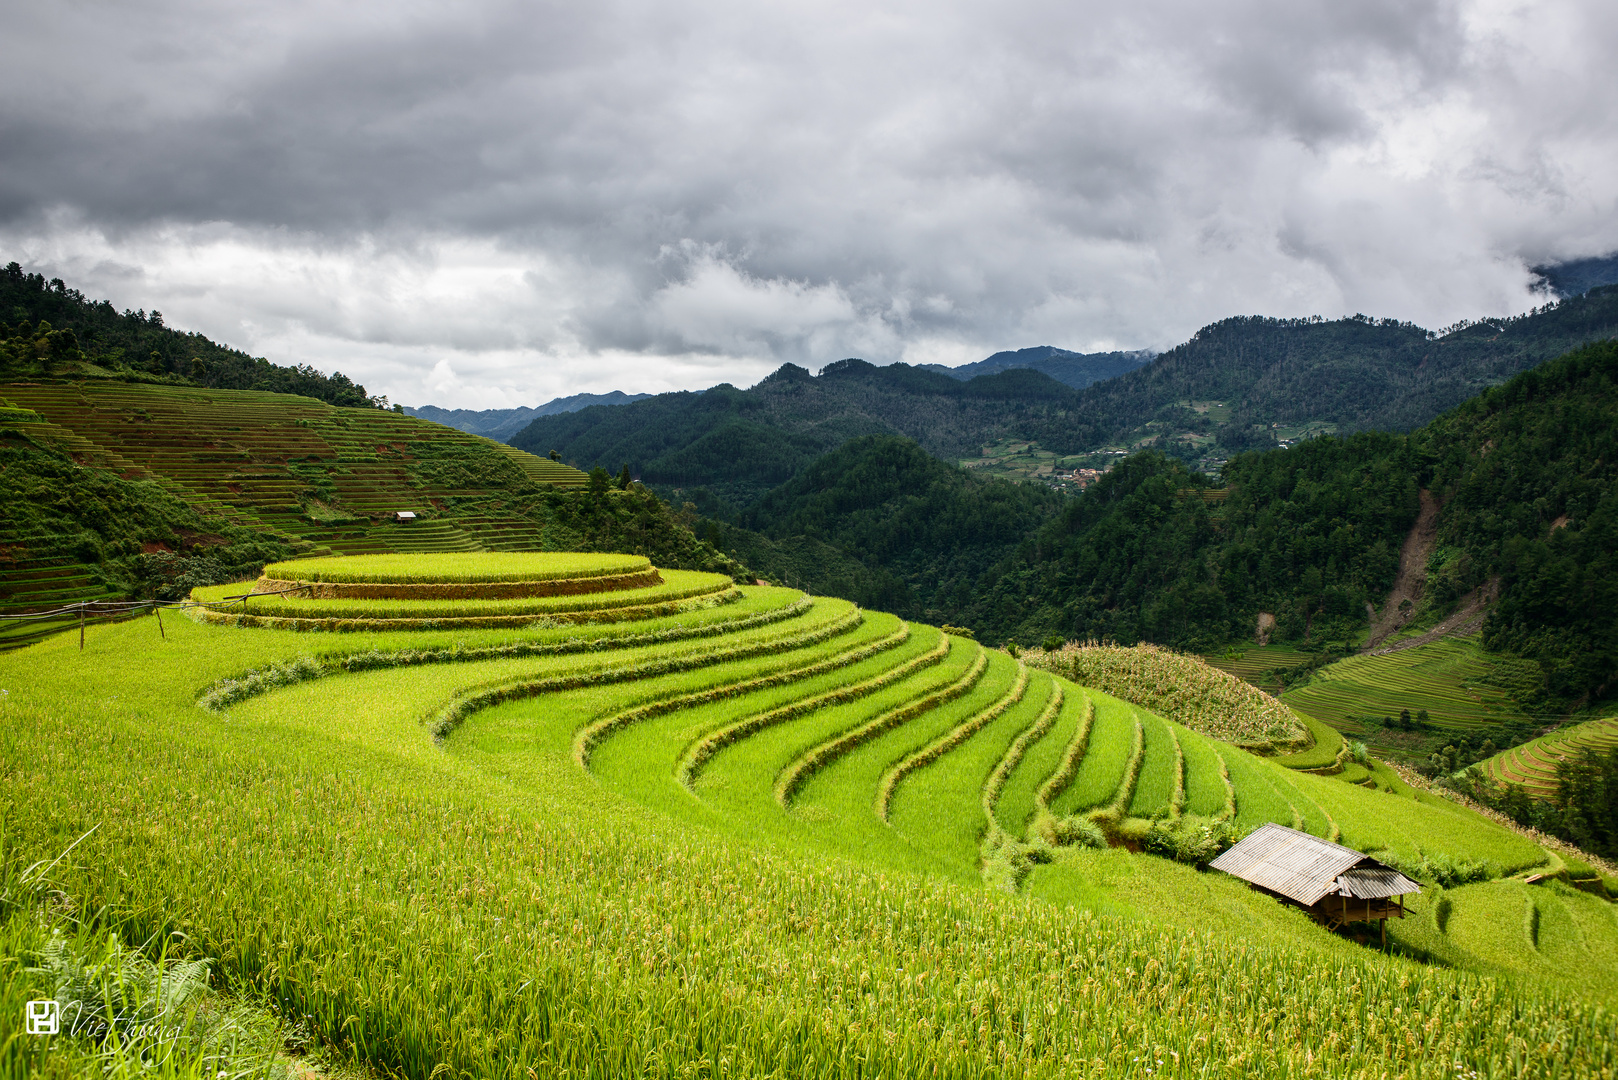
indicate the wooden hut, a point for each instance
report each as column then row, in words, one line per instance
column 404, row 515
column 1333, row 883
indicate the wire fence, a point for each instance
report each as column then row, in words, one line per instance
column 28, row 627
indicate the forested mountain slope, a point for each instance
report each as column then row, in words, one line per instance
column 881, row 522
column 48, row 330
column 1527, row 475
column 1358, row 374
column 1224, row 391
column 741, row 443
column 1077, row 370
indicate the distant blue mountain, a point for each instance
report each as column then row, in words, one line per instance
column 1077, row 370
column 1579, row 276
column 501, row 424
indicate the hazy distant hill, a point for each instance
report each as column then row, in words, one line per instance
column 1579, row 276
column 502, row 423
column 1077, row 370
column 1236, row 385
column 741, row 443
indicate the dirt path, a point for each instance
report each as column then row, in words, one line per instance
column 1468, row 619
column 1401, row 602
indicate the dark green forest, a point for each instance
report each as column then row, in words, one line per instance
column 883, row 523
column 48, row 330
column 739, row 444
column 1359, row 374
column 1158, row 552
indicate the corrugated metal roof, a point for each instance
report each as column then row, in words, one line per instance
column 1374, row 883
column 1303, row 867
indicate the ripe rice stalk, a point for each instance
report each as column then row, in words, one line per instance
column 549, row 619
column 1180, row 688
column 679, row 585
column 460, row 590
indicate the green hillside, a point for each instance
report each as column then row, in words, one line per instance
column 1533, row 765
column 116, row 489
column 748, row 832
column 48, row 330
column 738, row 444
column 1306, row 541
column 1239, row 384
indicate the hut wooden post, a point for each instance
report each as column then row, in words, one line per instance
column 159, row 612
column 81, row 627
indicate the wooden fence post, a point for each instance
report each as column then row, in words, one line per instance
column 81, row 626
column 159, row 610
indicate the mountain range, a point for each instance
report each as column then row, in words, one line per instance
column 1239, row 384
column 1077, row 370
column 501, row 424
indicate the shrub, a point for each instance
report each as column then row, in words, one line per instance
column 1440, row 868
column 1189, row 841
column 1079, row 831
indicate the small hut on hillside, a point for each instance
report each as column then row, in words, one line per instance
column 1333, row 883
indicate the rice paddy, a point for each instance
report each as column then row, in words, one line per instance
column 471, row 567
column 1533, row 764
column 1449, row 678
column 778, row 836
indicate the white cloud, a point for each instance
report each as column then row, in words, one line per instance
column 484, row 203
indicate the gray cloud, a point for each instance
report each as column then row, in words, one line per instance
column 493, row 202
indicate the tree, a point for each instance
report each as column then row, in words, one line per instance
column 623, row 478
column 599, row 480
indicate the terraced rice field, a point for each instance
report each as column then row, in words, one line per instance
column 1548, row 931
column 288, row 464
column 1448, row 678
column 752, row 837
column 1533, row 764
column 1255, row 660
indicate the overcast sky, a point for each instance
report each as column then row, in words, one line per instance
column 487, row 204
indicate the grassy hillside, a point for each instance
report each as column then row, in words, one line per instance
column 754, row 832
column 117, row 489
column 1533, row 765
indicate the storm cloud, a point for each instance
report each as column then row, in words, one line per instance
column 487, row 204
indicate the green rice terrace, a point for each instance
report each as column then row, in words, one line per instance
column 1533, row 764
column 218, row 467
column 720, row 830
